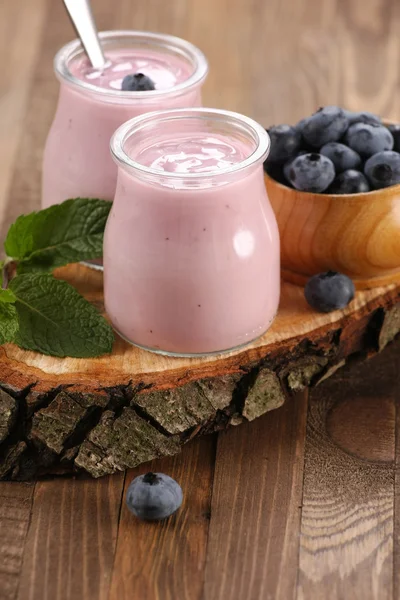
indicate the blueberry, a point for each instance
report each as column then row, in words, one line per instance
column 299, row 126
column 154, row 496
column 349, row 182
column 383, row 169
column 288, row 164
column 285, row 142
column 311, row 172
column 275, row 171
column 329, row 291
column 395, row 131
column 362, row 117
column 326, row 125
column 137, row 83
column 368, row 139
column 342, row 156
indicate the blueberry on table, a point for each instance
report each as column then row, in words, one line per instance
column 368, row 139
column 285, row 142
column 311, row 172
column 383, row 169
column 326, row 125
column 137, row 83
column 342, row 156
column 362, row 117
column 349, row 182
column 154, row 496
column 329, row 291
column 395, row 131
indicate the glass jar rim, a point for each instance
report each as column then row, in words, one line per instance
column 120, row 136
column 179, row 45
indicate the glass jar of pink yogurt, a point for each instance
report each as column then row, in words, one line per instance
column 92, row 106
column 191, row 249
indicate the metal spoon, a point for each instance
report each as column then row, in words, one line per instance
column 81, row 15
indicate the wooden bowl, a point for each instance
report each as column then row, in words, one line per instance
column 356, row 234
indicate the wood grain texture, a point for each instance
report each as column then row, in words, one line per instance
column 167, row 560
column 15, row 514
column 348, row 501
column 256, row 508
column 69, row 550
column 16, row 78
column 355, row 234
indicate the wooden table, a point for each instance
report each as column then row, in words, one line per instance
column 302, row 503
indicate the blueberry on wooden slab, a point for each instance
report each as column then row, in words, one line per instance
column 329, row 291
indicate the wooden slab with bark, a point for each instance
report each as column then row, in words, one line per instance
column 103, row 415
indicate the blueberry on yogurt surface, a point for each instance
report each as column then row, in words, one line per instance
column 137, row 83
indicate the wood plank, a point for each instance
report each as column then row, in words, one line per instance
column 396, row 535
column 70, row 546
column 166, row 560
column 255, row 513
column 16, row 79
column 348, row 501
column 15, row 513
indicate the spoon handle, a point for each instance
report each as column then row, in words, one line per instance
column 81, row 15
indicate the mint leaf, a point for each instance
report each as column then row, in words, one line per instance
column 55, row 319
column 7, row 296
column 58, row 235
column 8, row 323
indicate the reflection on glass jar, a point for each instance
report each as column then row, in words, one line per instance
column 191, row 250
column 91, row 106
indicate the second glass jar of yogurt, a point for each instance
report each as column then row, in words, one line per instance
column 92, row 106
column 191, row 249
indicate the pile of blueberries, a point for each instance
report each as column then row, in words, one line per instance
column 335, row 151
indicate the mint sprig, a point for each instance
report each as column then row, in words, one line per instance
column 58, row 235
column 55, row 319
column 37, row 311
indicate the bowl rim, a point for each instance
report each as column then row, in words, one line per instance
column 370, row 194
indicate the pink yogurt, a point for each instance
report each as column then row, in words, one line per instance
column 91, row 106
column 191, row 251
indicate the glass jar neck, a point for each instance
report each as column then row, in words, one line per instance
column 190, row 148
column 134, row 40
